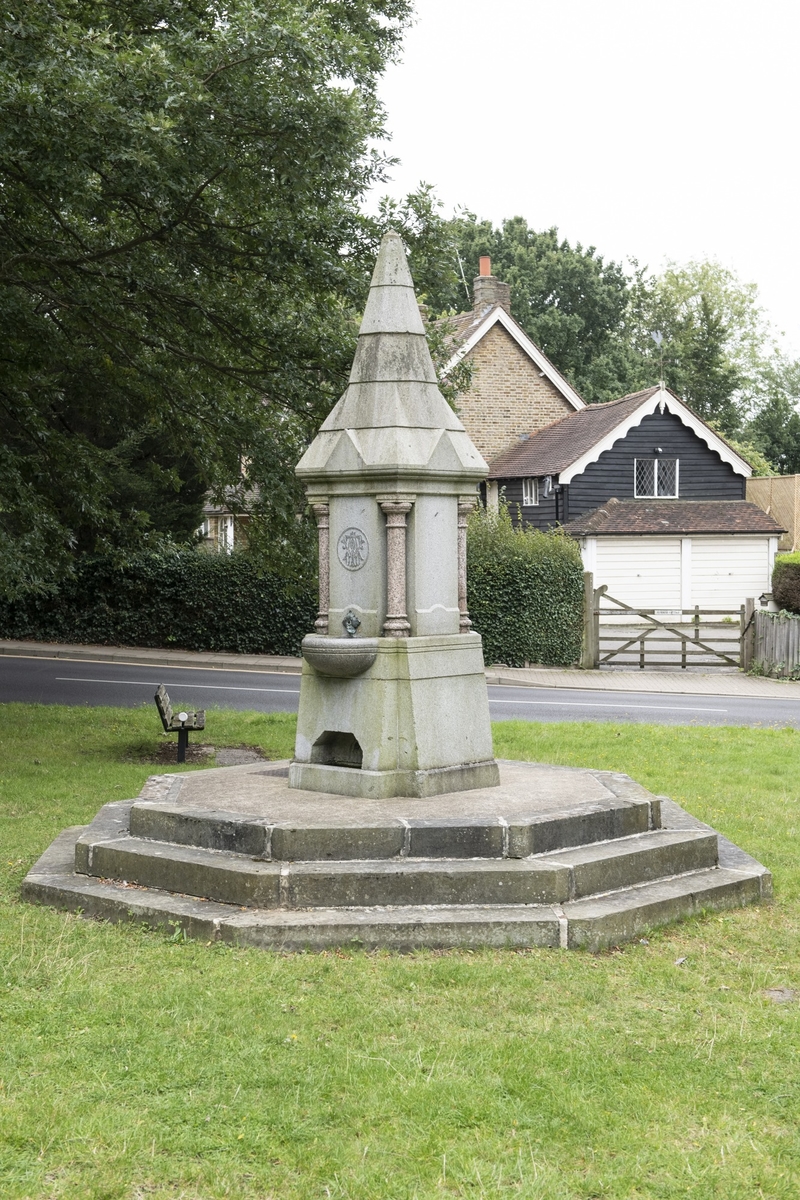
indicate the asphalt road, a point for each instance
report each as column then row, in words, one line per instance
column 60, row 681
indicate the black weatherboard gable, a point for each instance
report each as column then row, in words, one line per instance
column 647, row 430
column 702, row 473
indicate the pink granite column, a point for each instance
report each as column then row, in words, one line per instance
column 397, row 623
column 465, row 507
column 322, row 514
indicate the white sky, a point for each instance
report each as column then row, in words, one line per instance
column 652, row 130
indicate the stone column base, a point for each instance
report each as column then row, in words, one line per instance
column 382, row 785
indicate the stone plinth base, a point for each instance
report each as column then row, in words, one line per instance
column 550, row 857
column 416, row 724
column 382, row 785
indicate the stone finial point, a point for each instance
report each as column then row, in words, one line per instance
column 391, row 266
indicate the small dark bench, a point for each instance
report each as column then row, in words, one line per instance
column 180, row 723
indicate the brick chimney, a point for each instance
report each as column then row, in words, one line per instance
column 487, row 290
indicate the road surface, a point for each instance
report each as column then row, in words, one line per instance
column 61, row 681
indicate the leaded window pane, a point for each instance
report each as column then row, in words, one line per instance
column 645, row 471
column 667, row 476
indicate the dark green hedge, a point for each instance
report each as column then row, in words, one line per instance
column 525, row 592
column 786, row 582
column 184, row 600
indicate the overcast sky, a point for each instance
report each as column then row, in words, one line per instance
column 654, row 130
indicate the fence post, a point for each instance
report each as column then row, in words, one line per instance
column 590, row 649
column 748, row 636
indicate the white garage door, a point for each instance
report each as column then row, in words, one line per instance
column 726, row 570
column 644, row 572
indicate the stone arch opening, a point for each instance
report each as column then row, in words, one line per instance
column 337, row 748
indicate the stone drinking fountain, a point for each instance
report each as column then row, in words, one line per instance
column 394, row 825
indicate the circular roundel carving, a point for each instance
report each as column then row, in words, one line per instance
column 353, row 549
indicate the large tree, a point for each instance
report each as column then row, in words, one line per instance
column 181, row 256
column 775, row 427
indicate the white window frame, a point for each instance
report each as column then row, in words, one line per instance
column 654, row 495
column 226, row 534
column 530, row 492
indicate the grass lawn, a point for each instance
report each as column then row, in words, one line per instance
column 139, row 1067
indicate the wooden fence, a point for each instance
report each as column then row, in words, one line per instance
column 688, row 637
column 776, row 649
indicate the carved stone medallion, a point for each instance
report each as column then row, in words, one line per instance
column 353, row 549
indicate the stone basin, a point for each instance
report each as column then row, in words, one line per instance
column 340, row 657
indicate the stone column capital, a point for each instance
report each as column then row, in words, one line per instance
column 396, row 504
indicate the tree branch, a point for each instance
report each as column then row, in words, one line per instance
column 227, row 66
column 114, row 251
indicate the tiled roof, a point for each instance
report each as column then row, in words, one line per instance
column 674, row 517
column 552, row 449
column 460, row 326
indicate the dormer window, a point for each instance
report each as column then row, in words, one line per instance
column 655, row 477
column 530, row 492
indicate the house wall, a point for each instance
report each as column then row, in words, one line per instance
column 508, row 397
column 541, row 515
column 712, row 571
column 702, row 475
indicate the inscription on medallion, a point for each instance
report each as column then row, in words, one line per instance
column 353, row 549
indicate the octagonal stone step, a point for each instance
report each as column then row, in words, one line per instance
column 444, row 837
column 591, row 924
column 543, row 879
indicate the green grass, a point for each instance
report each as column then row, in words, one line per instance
column 139, row 1067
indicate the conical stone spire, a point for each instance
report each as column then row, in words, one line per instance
column 392, row 419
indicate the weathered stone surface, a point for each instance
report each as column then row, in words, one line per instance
column 421, row 707
column 591, row 923
column 51, row 881
column 527, row 792
column 111, row 822
column 197, row 827
column 214, row 875
column 387, row 784
column 389, row 467
column 324, row 843
column 415, row 881
column 623, row 863
column 341, row 657
column 452, row 838
column 609, row 920
column 596, row 824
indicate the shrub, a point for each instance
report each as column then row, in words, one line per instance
column 525, row 591
column 786, row 582
column 184, row 599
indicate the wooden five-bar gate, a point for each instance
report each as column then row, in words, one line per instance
column 619, row 634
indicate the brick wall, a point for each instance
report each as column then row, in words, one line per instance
column 508, row 396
